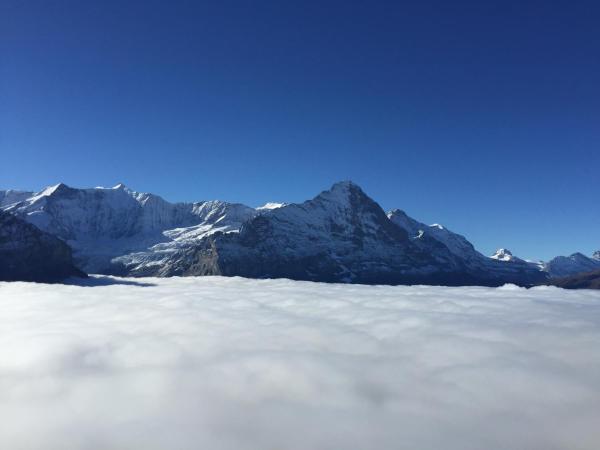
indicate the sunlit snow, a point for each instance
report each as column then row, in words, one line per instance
column 229, row 363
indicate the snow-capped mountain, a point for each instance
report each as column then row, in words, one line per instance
column 340, row 235
column 420, row 233
column 429, row 237
column 563, row 266
column 271, row 205
column 29, row 254
column 102, row 224
column 503, row 254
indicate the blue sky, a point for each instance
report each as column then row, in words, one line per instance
column 483, row 116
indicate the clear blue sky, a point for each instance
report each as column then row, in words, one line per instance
column 481, row 115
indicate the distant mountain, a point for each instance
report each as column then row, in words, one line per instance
column 498, row 269
column 420, row 233
column 271, row 205
column 563, row 266
column 503, row 254
column 29, row 254
column 586, row 280
column 341, row 235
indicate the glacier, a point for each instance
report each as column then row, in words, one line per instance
column 228, row 363
column 108, row 226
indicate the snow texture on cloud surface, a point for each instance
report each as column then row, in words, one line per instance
column 231, row 363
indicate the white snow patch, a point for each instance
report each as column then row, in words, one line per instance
column 231, row 363
column 271, row 205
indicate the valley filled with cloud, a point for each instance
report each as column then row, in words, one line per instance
column 233, row 363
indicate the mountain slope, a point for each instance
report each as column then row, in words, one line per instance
column 563, row 266
column 10, row 197
column 498, row 269
column 458, row 245
column 102, row 224
column 29, row 254
column 340, row 236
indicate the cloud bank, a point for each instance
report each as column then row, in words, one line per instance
column 230, row 363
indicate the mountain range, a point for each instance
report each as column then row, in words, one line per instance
column 341, row 235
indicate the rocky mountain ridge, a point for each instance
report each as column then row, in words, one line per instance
column 341, row 235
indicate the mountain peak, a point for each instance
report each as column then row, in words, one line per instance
column 396, row 212
column 345, row 186
column 596, row 255
column 53, row 190
column 578, row 256
column 271, row 205
column 503, row 254
column 343, row 192
column 120, row 186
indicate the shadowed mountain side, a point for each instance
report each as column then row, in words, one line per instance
column 29, row 254
column 588, row 280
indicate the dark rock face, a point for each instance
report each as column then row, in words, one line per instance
column 340, row 236
column 29, row 254
column 588, row 280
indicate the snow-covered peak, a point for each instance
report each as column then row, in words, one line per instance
column 341, row 191
column 341, row 195
column 344, row 185
column 53, row 190
column 271, row 205
column 50, row 191
column 596, row 255
column 105, row 222
column 341, row 219
column 503, row 254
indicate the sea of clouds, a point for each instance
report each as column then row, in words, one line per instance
column 229, row 363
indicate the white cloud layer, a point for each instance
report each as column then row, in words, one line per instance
column 228, row 363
